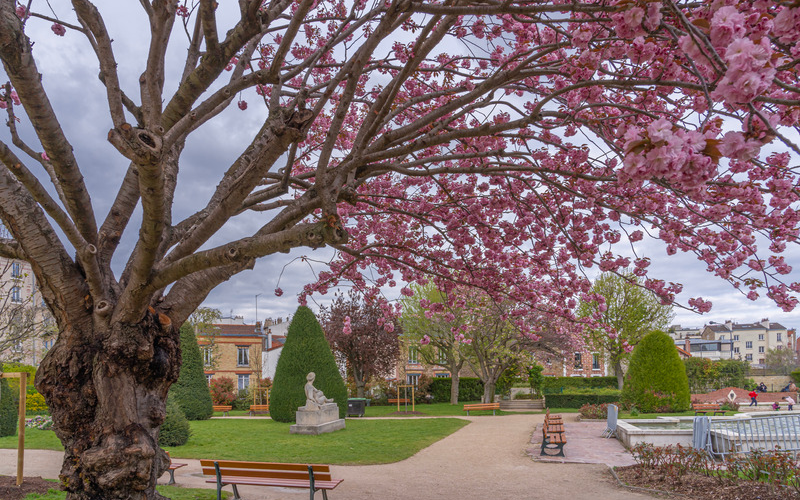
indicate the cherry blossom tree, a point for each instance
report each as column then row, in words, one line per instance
column 357, row 331
column 505, row 146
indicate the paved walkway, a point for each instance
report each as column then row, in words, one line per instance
column 493, row 457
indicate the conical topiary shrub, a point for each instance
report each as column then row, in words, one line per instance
column 9, row 416
column 305, row 350
column 656, row 380
column 191, row 390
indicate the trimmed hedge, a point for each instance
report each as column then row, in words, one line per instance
column 191, row 390
column 578, row 400
column 9, row 416
column 795, row 376
column 175, row 430
column 556, row 383
column 656, row 380
column 469, row 389
column 304, row 351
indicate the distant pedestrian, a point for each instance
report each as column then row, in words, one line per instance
column 789, row 402
column 753, row 398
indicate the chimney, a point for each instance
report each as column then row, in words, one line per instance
column 269, row 338
column 765, row 322
column 688, row 345
column 729, row 324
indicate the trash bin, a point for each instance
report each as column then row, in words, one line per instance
column 355, row 407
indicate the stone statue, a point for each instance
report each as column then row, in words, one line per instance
column 314, row 397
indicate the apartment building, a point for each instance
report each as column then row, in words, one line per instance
column 231, row 348
column 27, row 330
column 749, row 341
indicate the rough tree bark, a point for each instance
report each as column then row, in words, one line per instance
column 107, row 390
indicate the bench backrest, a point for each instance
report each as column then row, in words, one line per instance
column 705, row 405
column 266, row 470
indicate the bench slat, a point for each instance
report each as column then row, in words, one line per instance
column 288, row 483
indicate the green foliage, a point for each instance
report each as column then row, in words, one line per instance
column 656, row 379
column 578, row 400
column 506, row 380
column 175, row 429
column 9, row 415
column 706, row 375
column 536, row 379
column 557, row 383
column 305, row 350
column 172, row 492
column 781, row 361
column 14, row 367
column 191, row 390
column 469, row 389
column 795, row 376
column 243, row 400
column 595, row 411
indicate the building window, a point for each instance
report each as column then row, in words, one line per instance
column 48, row 344
column 722, row 337
column 748, row 344
column 761, row 348
column 736, row 350
column 16, row 294
column 413, row 355
column 779, row 337
column 735, row 337
column 243, row 357
column 761, row 361
column 208, row 357
column 16, row 270
column 244, row 381
column 748, row 357
column 595, row 361
column 209, row 376
column 578, row 365
column 442, row 375
column 760, row 336
column 412, row 378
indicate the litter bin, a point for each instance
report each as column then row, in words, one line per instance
column 355, row 407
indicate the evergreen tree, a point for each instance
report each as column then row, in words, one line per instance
column 8, row 410
column 191, row 390
column 305, row 350
column 656, row 380
column 175, row 430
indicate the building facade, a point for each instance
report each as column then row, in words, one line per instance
column 749, row 341
column 27, row 331
column 233, row 349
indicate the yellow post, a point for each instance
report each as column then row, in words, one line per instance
column 23, row 382
column 413, row 399
column 23, row 386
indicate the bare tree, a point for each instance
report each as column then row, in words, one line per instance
column 23, row 317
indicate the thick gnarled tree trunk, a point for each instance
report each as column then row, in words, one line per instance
column 107, row 391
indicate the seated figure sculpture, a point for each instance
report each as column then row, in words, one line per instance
column 314, row 397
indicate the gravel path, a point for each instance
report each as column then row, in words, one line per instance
column 489, row 459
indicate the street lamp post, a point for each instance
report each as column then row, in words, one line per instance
column 257, row 306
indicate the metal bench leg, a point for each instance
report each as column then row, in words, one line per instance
column 171, row 476
column 236, row 493
column 324, row 494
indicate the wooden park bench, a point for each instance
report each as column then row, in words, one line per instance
column 482, row 406
column 172, row 467
column 258, row 409
column 554, row 435
column 707, row 407
column 281, row 475
column 394, row 401
column 223, row 408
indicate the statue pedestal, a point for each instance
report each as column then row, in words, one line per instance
column 317, row 421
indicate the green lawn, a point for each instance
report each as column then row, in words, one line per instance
column 173, row 492
column 361, row 442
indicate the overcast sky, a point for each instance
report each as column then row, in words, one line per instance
column 70, row 76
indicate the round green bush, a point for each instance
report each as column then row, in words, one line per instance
column 175, row 429
column 305, row 350
column 656, row 381
column 191, row 390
